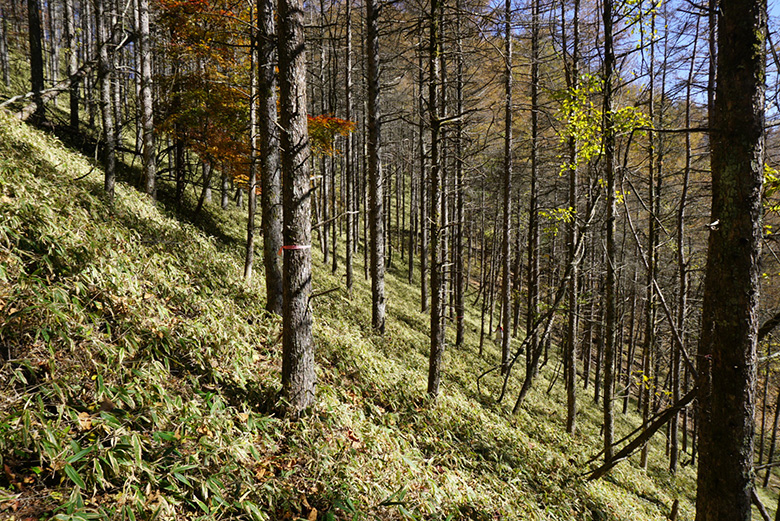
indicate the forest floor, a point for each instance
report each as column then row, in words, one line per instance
column 140, row 372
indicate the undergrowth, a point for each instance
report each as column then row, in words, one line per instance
column 140, row 375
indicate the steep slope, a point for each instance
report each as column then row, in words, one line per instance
column 139, row 375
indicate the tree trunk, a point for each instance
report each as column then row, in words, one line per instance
column 349, row 157
column 5, row 63
column 298, row 377
column 73, row 63
column 727, row 350
column 375, row 174
column 254, row 35
column 147, row 101
column 107, row 113
column 610, row 319
column 36, row 58
column 437, row 284
column 271, row 182
column 506, row 240
column 572, row 331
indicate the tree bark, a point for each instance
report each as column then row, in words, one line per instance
column 254, row 36
column 271, row 182
column 147, row 101
column 36, row 59
column 506, row 238
column 107, row 113
column 375, row 174
column 610, row 319
column 437, row 284
column 727, row 350
column 298, row 377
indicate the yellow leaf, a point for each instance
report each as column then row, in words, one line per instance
column 312, row 515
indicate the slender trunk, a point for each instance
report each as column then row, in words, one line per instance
column 424, row 183
column 271, row 180
column 73, row 63
column 349, row 156
column 435, row 217
column 506, row 241
column 249, row 257
column 147, row 103
column 458, row 253
column 104, row 68
column 772, row 442
column 572, row 330
column 610, row 319
column 375, row 174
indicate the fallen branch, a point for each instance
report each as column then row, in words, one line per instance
column 640, row 440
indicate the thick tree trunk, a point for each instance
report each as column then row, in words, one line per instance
column 727, row 350
column 298, row 377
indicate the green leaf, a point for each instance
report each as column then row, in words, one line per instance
column 79, row 455
column 74, row 476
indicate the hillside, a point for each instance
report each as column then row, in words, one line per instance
column 139, row 375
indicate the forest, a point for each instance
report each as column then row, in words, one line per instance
column 389, row 259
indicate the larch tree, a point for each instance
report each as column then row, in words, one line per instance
column 727, row 349
column 375, row 176
column 36, row 58
column 298, row 376
column 268, row 132
column 435, row 207
column 146, row 100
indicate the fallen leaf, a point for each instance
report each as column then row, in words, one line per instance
column 85, row 421
column 312, row 515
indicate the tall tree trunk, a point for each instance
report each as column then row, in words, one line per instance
column 572, row 330
column 147, row 102
column 424, row 185
column 375, row 174
column 458, row 253
column 298, row 377
column 506, row 244
column 610, row 318
column 435, row 217
column 349, row 156
column 107, row 113
column 254, row 36
column 727, row 350
column 652, row 249
column 268, row 132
